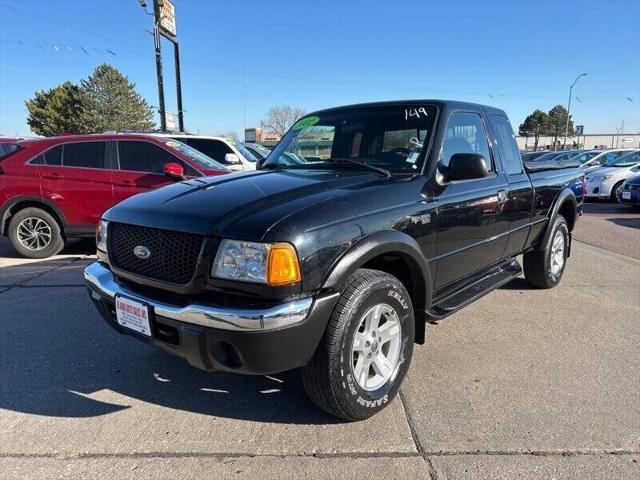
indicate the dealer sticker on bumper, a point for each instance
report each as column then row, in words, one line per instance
column 134, row 315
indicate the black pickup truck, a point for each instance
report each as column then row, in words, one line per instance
column 364, row 223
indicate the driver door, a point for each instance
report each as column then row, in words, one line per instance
column 473, row 224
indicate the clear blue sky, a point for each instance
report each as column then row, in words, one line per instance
column 313, row 54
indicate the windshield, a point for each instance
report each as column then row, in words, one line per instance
column 259, row 150
column 388, row 137
column 243, row 150
column 195, row 155
column 626, row 160
column 585, row 156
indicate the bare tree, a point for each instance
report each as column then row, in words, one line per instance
column 280, row 119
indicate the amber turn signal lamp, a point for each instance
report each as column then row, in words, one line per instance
column 282, row 267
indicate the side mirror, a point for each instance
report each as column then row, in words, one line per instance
column 232, row 159
column 465, row 166
column 174, row 170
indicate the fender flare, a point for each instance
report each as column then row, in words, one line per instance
column 6, row 208
column 565, row 195
column 389, row 242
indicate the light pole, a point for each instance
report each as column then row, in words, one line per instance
column 566, row 128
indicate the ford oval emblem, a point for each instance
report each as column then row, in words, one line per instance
column 142, row 252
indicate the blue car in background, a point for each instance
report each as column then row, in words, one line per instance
column 629, row 191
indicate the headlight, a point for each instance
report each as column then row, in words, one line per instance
column 101, row 235
column 269, row 263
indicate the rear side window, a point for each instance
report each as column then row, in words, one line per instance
column 53, row 156
column 465, row 134
column 141, row 156
column 85, row 154
column 507, row 149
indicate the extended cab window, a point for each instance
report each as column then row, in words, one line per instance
column 141, row 156
column 509, row 153
column 465, row 133
column 84, row 154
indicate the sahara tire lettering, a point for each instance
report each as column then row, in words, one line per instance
column 373, row 403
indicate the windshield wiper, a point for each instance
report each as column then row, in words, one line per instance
column 351, row 161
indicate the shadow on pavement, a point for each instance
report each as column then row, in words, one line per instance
column 517, row 284
column 60, row 359
column 77, row 246
column 626, row 222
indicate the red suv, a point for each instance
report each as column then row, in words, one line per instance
column 55, row 188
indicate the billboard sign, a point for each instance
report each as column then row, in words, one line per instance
column 167, row 17
column 579, row 130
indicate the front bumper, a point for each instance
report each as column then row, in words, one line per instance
column 634, row 196
column 601, row 189
column 210, row 337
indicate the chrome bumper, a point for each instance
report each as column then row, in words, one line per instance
column 102, row 283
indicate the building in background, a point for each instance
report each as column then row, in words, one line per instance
column 587, row 142
column 258, row 135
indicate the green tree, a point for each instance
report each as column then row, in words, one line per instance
column 558, row 123
column 112, row 103
column 55, row 111
column 536, row 124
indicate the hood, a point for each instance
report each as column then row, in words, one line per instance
column 601, row 171
column 634, row 180
column 257, row 200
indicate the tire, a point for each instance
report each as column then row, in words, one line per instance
column 612, row 196
column 330, row 377
column 49, row 241
column 543, row 268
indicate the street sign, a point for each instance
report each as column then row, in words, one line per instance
column 171, row 121
column 579, row 130
column 167, row 17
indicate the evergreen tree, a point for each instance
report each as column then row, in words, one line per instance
column 57, row 110
column 536, row 124
column 112, row 103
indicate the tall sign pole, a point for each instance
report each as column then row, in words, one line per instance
column 157, row 44
column 165, row 14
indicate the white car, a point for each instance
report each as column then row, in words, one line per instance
column 227, row 151
column 605, row 181
column 602, row 159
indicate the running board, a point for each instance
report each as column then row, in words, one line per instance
column 462, row 297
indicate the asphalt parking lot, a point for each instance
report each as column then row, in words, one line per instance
column 522, row 384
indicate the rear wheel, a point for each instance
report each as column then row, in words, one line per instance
column 544, row 268
column 34, row 233
column 366, row 349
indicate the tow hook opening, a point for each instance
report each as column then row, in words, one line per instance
column 226, row 354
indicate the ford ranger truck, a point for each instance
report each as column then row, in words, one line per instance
column 364, row 223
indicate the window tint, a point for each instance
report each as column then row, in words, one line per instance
column 465, row 134
column 53, row 156
column 509, row 153
column 141, row 156
column 85, row 154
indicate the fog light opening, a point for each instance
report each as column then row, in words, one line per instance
column 226, row 354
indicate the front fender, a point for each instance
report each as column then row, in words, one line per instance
column 388, row 242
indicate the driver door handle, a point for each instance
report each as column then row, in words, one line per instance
column 503, row 196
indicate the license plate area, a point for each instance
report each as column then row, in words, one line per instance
column 133, row 315
column 626, row 195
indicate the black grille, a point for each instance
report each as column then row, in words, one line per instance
column 174, row 255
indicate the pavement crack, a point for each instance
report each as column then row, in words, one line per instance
column 22, row 283
column 416, row 439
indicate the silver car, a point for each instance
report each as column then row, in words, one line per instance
column 603, row 182
column 603, row 158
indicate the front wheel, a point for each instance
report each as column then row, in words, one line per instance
column 613, row 197
column 34, row 233
column 543, row 268
column 366, row 349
